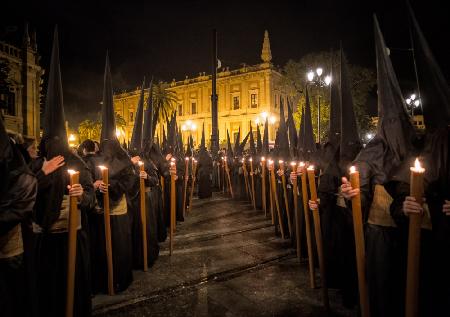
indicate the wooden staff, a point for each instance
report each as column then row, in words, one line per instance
column 253, row 183
column 244, row 169
column 229, row 178
column 318, row 235
column 223, row 175
column 272, row 211
column 72, row 245
column 275, row 198
column 359, row 244
column 286, row 202
column 298, row 224
column 107, row 220
column 194, row 171
column 263, row 185
column 186, row 178
column 143, row 217
column 173, row 174
column 415, row 223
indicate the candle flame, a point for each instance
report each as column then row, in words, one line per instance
column 293, row 164
column 280, row 161
column 140, row 163
column 172, row 159
column 250, row 159
column 311, row 168
column 417, row 167
column 172, row 163
column 302, row 164
column 71, row 172
column 352, row 169
column 263, row 158
column 270, row 162
column 186, row 158
column 102, row 167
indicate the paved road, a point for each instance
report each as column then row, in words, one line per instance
column 227, row 262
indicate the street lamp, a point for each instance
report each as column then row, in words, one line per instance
column 413, row 102
column 320, row 82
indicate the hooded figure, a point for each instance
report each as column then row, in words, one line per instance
column 309, row 145
column 123, row 201
column 17, row 197
column 292, row 132
column 52, row 209
column 204, row 170
column 259, row 143
column 383, row 154
column 265, row 144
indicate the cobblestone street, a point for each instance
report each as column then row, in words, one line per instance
column 227, row 262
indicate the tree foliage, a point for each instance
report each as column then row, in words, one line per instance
column 295, row 80
column 91, row 129
column 164, row 101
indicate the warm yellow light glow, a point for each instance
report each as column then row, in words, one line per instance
column 272, row 119
column 280, row 161
column 250, row 159
column 189, row 122
column 194, row 127
column 118, row 133
column 71, row 138
column 71, row 172
column 264, row 115
column 257, row 120
column 352, row 169
column 140, row 163
column 186, row 158
column 183, row 127
column 172, row 159
column 102, row 167
column 311, row 168
column 263, row 158
column 417, row 167
column 302, row 164
column 293, row 164
column 270, row 162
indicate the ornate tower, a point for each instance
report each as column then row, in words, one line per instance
column 266, row 54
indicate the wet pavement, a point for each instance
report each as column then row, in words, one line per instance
column 226, row 262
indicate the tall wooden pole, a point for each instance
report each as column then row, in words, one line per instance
column 173, row 175
column 107, row 220
column 263, row 185
column 186, row 178
column 359, row 245
column 244, row 170
column 415, row 223
column 286, row 202
column 143, row 218
column 224, row 187
column 307, row 226
column 275, row 198
column 318, row 235
column 298, row 224
column 72, row 246
column 229, row 178
column 253, row 183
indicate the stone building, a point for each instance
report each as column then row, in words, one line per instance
column 21, row 104
column 245, row 96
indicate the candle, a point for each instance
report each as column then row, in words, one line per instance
column 318, row 235
column 275, row 197
column 359, row 244
column 415, row 222
column 253, row 183
column 286, row 202
column 307, row 225
column 107, row 220
column 72, row 245
column 186, row 178
column 173, row 174
column 194, row 171
column 297, row 218
column 143, row 216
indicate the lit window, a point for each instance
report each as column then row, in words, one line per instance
column 235, row 102
column 131, row 116
column 194, row 108
column 254, row 100
column 180, row 109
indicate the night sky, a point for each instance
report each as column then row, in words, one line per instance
column 170, row 39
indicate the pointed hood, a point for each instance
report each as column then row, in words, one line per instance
column 265, row 145
column 252, row 149
column 149, row 127
column 292, row 131
column 164, row 141
column 334, row 135
column 259, row 141
column 309, row 144
column 394, row 126
column 301, row 135
column 230, row 155
column 434, row 92
column 203, row 141
column 237, row 142
column 136, row 137
column 54, row 119
column 242, row 145
column 350, row 141
column 188, row 147
column 283, row 142
column 108, row 117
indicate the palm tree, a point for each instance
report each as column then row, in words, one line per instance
column 164, row 102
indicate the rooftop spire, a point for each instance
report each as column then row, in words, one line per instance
column 266, row 54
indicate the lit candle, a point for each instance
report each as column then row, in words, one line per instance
column 286, row 202
column 359, row 244
column 296, row 213
column 72, row 245
column 253, row 183
column 173, row 173
column 275, row 197
column 415, row 222
column 107, row 220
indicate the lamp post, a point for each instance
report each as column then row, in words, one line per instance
column 318, row 80
column 413, row 102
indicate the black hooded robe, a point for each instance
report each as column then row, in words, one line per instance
column 204, row 171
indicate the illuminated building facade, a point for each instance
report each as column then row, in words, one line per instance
column 245, row 96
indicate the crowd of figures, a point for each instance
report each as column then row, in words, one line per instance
column 149, row 185
column 136, row 194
